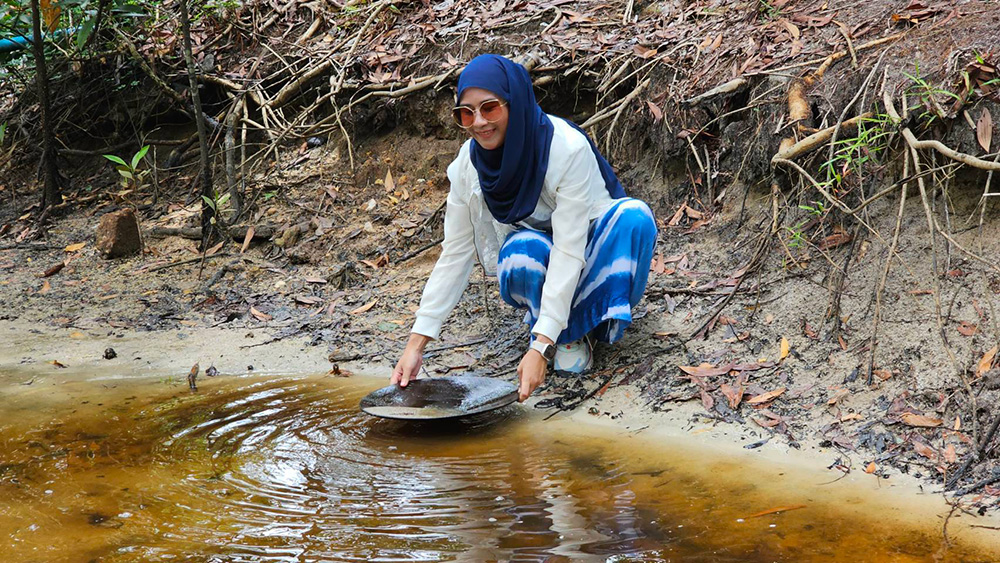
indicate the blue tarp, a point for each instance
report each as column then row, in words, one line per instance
column 23, row 42
column 14, row 43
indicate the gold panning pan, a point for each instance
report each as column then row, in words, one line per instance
column 440, row 398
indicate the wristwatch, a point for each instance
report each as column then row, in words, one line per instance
column 548, row 351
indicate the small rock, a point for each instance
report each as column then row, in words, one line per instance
column 110, row 354
column 118, row 234
column 313, row 142
column 211, row 371
column 250, row 368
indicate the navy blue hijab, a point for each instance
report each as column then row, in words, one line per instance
column 511, row 176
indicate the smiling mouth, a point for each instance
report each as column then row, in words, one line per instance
column 486, row 134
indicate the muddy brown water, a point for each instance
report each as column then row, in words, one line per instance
column 255, row 469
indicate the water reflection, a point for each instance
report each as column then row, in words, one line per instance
column 288, row 470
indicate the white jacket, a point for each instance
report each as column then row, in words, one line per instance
column 573, row 194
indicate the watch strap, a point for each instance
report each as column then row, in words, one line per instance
column 548, row 351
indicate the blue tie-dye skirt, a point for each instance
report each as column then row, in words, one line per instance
column 619, row 251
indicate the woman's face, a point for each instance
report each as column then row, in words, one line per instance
column 489, row 135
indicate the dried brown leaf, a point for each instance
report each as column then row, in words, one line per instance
column 949, row 454
column 965, row 328
column 706, row 370
column 785, row 348
column 364, row 308
column 924, row 450
column 260, row 315
column 984, row 130
column 837, row 396
column 53, row 269
column 792, row 29
column 870, row 468
column 733, row 393
column 247, row 239
column 75, row 247
column 390, row 184
column 707, row 401
column 644, row 52
column 987, row 361
column 765, row 397
column 653, row 109
column 809, row 331
column 920, row 420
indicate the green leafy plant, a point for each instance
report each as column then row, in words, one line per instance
column 818, row 208
column 216, row 203
column 768, row 10
column 927, row 96
column 132, row 179
column 851, row 154
column 795, row 237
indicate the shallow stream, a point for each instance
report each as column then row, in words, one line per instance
column 253, row 469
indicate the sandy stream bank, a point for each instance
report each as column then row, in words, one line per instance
column 681, row 439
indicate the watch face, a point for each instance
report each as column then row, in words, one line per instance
column 549, row 352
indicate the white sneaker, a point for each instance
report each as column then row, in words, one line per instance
column 575, row 357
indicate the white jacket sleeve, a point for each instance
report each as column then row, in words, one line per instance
column 569, row 236
column 451, row 273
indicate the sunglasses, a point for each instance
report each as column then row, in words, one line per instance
column 491, row 110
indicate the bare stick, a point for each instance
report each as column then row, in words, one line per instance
column 911, row 140
column 350, row 52
column 725, row 88
column 864, row 87
column 416, row 86
column 818, row 138
column 950, row 153
column 873, row 344
column 617, row 108
column 826, row 61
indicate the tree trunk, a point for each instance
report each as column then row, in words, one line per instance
column 207, row 212
column 49, row 173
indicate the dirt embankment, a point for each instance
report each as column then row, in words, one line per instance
column 847, row 304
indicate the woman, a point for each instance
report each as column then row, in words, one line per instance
column 534, row 198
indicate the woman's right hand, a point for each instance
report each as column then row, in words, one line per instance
column 409, row 363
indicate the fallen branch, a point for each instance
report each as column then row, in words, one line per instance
column 415, row 87
column 419, row 251
column 817, row 139
column 616, row 108
column 30, row 247
column 188, row 261
column 238, row 232
column 293, row 87
column 726, row 88
column 976, row 455
column 950, row 153
column 994, row 478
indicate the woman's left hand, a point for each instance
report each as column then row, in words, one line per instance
column 531, row 373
